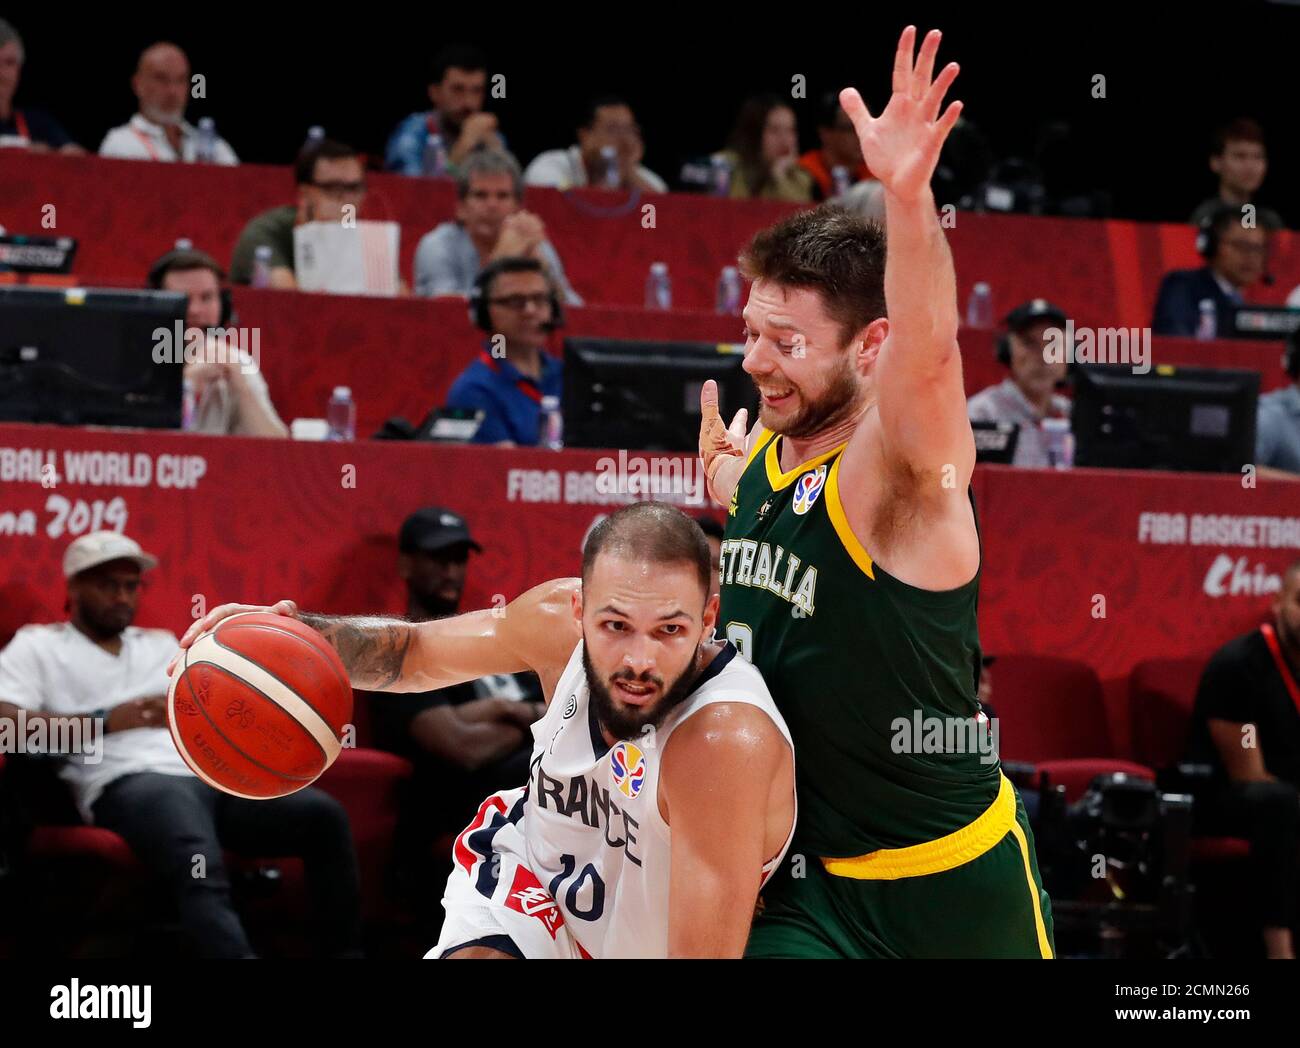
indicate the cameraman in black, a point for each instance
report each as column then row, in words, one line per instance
column 1246, row 726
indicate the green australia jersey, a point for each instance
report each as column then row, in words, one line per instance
column 875, row 678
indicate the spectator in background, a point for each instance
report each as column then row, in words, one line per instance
column 330, row 177
column 1245, row 727
column 159, row 131
column 465, row 742
column 489, row 225
column 607, row 123
column 839, row 148
column 98, row 666
column 1235, row 257
column 230, row 394
column 1277, row 430
column 25, row 128
column 513, row 302
column 713, row 535
column 457, row 89
column 1240, row 160
column 764, row 153
column 1028, row 394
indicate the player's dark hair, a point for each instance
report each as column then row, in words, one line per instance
column 654, row 531
column 456, row 56
column 828, row 250
column 304, row 167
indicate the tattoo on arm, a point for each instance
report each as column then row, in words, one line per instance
column 373, row 649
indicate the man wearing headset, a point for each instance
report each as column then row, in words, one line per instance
column 1236, row 256
column 230, row 394
column 1028, row 394
column 515, row 304
column 1277, row 432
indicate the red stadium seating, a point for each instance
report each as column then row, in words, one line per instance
column 1051, row 713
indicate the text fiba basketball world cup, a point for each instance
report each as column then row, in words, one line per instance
column 583, row 798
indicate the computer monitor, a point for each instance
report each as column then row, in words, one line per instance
column 1172, row 418
column 645, row 396
column 1260, row 322
column 78, row 356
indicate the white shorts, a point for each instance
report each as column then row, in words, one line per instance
column 492, row 898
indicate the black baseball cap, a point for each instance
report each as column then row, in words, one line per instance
column 434, row 528
column 1032, row 312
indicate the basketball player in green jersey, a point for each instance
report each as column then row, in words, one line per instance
column 850, row 570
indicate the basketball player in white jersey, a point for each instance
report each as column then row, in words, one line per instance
column 661, row 787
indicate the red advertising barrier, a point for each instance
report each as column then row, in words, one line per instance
column 1102, row 566
column 400, row 356
column 127, row 213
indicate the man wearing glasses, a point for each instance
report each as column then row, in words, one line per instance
column 330, row 177
column 1236, row 256
column 516, row 306
column 97, row 665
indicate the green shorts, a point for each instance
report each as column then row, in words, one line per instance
column 990, row 906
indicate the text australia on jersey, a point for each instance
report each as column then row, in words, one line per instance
column 747, row 562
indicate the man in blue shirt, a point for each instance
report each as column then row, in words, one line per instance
column 516, row 305
column 457, row 88
column 1277, row 432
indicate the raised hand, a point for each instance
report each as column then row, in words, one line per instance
column 719, row 442
column 901, row 146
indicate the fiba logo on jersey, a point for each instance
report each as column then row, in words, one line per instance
column 571, row 707
column 628, row 767
column 807, row 489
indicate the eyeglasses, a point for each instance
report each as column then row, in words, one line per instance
column 341, row 189
column 518, row 302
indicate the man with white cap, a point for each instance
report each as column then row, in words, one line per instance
column 99, row 666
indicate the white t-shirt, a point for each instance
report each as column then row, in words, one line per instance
column 564, row 169
column 141, row 139
column 58, row 669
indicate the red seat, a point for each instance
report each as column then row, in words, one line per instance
column 1051, row 713
column 1162, row 693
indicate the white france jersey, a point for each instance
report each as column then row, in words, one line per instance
column 593, row 831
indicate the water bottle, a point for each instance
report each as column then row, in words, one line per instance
column 979, row 309
column 728, row 301
column 188, row 404
column 315, row 134
column 609, row 158
column 205, row 149
column 1060, row 442
column 550, row 430
column 1207, row 326
column 721, row 180
column 262, row 266
column 841, row 179
column 435, row 156
column 341, row 415
column 658, row 287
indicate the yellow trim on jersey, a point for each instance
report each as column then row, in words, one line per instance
column 835, row 510
column 761, row 436
column 779, row 480
column 947, row 853
column 1044, row 946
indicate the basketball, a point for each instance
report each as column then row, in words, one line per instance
column 258, row 705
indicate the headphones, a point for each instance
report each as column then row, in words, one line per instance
column 189, row 258
column 1020, row 317
column 1207, row 237
column 478, row 293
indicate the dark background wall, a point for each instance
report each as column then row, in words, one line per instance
column 1172, row 72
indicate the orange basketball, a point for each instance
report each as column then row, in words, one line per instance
column 258, row 705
